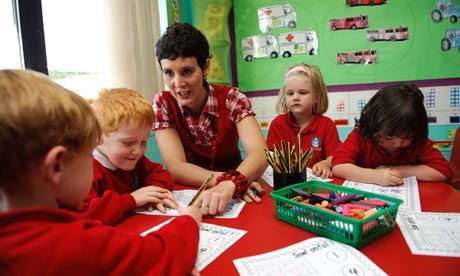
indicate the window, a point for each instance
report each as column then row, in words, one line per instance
column 84, row 45
column 75, row 44
column 11, row 54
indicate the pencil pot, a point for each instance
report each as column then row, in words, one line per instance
column 281, row 180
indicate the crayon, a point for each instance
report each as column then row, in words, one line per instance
column 357, row 213
column 357, row 206
column 306, row 194
column 343, row 199
column 370, row 212
column 364, row 204
column 377, row 202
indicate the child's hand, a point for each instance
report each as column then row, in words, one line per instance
column 192, row 211
column 388, row 177
column 322, row 169
column 195, row 272
column 155, row 196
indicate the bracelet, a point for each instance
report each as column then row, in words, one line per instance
column 241, row 182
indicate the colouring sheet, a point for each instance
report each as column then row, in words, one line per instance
column 436, row 234
column 183, row 197
column 408, row 192
column 268, row 176
column 315, row 256
column 214, row 240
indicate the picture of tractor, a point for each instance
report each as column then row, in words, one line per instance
column 451, row 39
column 445, row 9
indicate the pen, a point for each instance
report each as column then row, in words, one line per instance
column 201, row 189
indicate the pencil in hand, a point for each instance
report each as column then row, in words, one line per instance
column 201, row 189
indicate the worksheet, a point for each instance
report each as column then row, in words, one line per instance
column 268, row 176
column 427, row 233
column 214, row 240
column 315, row 256
column 183, row 197
column 408, row 192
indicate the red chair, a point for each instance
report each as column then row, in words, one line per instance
column 455, row 161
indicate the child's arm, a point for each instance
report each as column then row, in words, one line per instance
column 381, row 176
column 323, row 168
column 150, row 196
column 422, row 172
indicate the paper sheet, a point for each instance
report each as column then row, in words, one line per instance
column 315, row 256
column 268, row 176
column 408, row 192
column 426, row 233
column 183, row 197
column 214, row 240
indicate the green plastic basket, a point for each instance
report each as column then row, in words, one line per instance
column 355, row 232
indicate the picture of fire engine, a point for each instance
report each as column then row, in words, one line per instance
column 276, row 16
column 451, row 39
column 388, row 34
column 299, row 42
column 444, row 9
column 352, row 22
column 259, row 46
column 365, row 2
column 361, row 57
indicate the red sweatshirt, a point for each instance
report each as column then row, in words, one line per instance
column 49, row 241
column 365, row 154
column 110, row 196
column 320, row 135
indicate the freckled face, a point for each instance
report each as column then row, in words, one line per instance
column 184, row 79
column 126, row 145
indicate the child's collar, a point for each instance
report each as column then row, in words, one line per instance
column 99, row 156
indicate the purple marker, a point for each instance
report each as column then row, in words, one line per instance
column 343, row 199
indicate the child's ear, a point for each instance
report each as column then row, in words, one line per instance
column 207, row 67
column 53, row 165
column 101, row 140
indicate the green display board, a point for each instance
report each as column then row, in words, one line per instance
column 418, row 58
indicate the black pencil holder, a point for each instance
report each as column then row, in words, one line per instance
column 281, row 180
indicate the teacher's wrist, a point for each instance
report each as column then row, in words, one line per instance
column 240, row 181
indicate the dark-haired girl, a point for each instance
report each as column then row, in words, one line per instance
column 391, row 141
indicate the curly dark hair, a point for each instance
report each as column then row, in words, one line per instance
column 183, row 40
column 395, row 110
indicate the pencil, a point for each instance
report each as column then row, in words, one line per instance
column 201, row 189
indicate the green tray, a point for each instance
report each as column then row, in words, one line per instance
column 355, row 232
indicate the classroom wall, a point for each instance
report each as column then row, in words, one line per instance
column 350, row 87
column 441, row 103
column 420, row 57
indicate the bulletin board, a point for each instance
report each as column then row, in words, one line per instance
column 418, row 58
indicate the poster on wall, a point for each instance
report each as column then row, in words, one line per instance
column 351, row 41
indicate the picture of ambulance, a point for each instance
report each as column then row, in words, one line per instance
column 259, row 46
column 276, row 16
column 298, row 42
